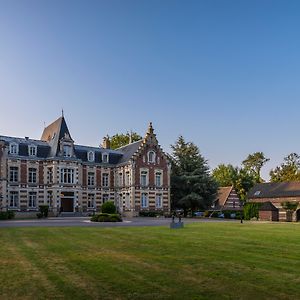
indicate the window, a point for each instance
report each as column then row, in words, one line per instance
column 67, row 151
column 127, row 200
column 105, row 198
column 120, row 179
column 144, row 200
column 257, row 193
column 91, row 178
column 49, row 175
column 91, row 201
column 151, row 157
column 105, row 158
column 158, row 178
column 13, row 148
column 67, row 175
column 105, row 180
column 32, row 150
column 144, row 178
column 91, row 156
column 158, row 201
column 32, row 200
column 32, row 175
column 13, row 199
column 127, row 178
column 13, row 174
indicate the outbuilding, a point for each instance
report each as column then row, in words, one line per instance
column 268, row 212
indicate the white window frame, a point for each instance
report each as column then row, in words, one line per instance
column 32, row 175
column 120, row 179
column 127, row 178
column 13, row 174
column 105, row 198
column 13, row 199
column 144, row 200
column 151, row 161
column 160, row 172
column 91, row 156
column 106, row 156
column 69, row 152
column 67, row 175
column 32, row 150
column 105, row 180
column 13, row 148
column 159, row 200
column 91, row 201
column 144, row 175
column 32, row 199
column 91, row 178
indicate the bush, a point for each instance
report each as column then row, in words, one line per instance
column 251, row 210
column 104, row 217
column 7, row 215
column 43, row 213
column 108, row 207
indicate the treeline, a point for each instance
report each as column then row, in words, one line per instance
column 194, row 186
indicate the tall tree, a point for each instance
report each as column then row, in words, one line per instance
column 119, row 140
column 289, row 170
column 240, row 178
column 192, row 186
column 254, row 162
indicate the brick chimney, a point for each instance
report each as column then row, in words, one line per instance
column 106, row 142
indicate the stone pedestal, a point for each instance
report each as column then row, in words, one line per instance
column 176, row 225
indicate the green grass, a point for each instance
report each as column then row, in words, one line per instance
column 201, row 261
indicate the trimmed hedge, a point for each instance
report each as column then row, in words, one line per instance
column 7, row 215
column 104, row 217
column 44, row 210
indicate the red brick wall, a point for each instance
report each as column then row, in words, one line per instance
column 23, row 171
column 162, row 165
column 268, row 216
column 98, row 177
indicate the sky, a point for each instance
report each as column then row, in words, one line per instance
column 224, row 74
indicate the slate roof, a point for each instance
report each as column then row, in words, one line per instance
column 223, row 194
column 128, row 151
column 275, row 190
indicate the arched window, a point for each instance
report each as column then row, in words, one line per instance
column 91, row 156
column 151, row 156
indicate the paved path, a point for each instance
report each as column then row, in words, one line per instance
column 85, row 222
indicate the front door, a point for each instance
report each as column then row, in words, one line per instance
column 67, row 205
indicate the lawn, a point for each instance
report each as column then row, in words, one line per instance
column 201, row 261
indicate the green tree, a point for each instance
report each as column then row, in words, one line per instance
column 192, row 186
column 240, row 178
column 119, row 140
column 254, row 162
column 289, row 170
column 290, row 208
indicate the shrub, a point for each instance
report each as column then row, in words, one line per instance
column 108, row 207
column 104, row 217
column 7, row 215
column 251, row 210
column 43, row 213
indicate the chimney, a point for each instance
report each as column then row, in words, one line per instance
column 106, row 142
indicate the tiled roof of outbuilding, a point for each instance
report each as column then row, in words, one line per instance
column 223, row 194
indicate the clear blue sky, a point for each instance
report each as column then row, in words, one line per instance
column 224, row 74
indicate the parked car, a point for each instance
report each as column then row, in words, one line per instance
column 198, row 213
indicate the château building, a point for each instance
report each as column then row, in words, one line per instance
column 67, row 177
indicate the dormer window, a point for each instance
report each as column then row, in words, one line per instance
column 151, row 157
column 14, row 148
column 91, row 156
column 105, row 157
column 67, row 151
column 32, row 150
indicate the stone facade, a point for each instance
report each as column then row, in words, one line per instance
column 54, row 171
